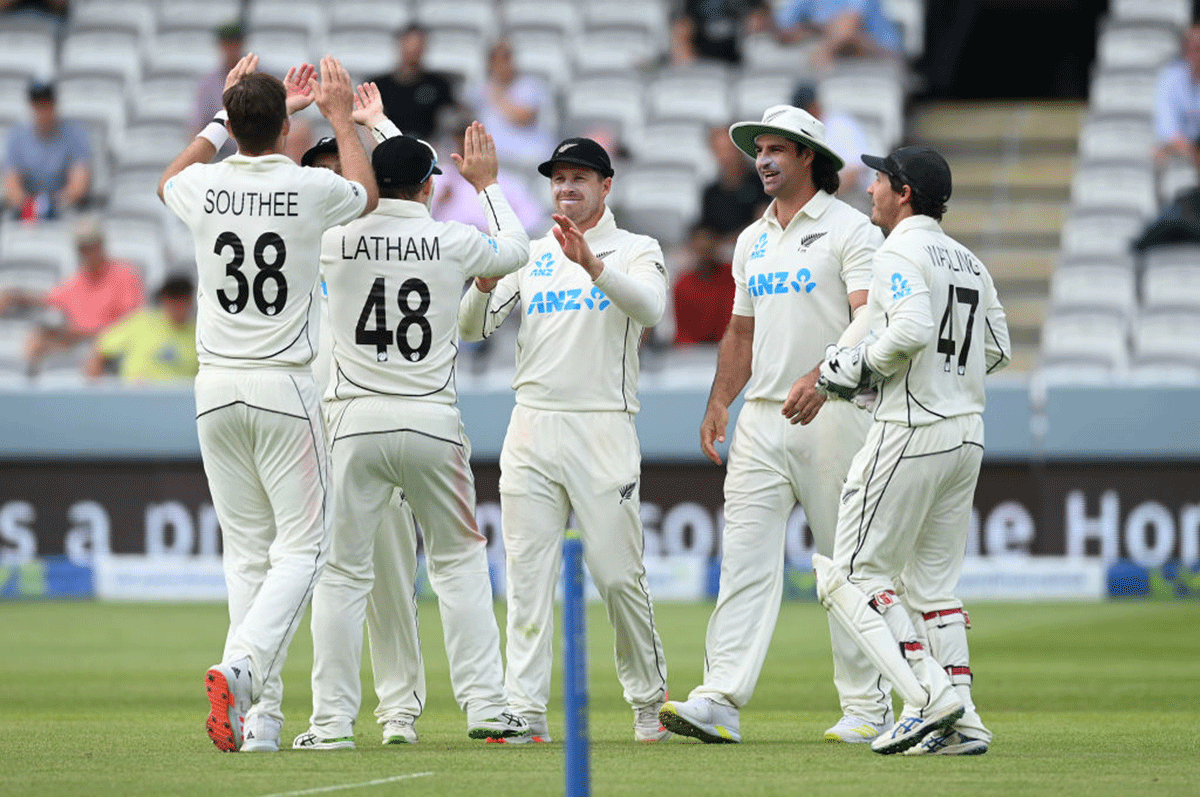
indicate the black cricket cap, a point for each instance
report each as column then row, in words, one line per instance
column 404, row 160
column 40, row 90
column 919, row 167
column 231, row 31
column 580, row 152
column 325, row 146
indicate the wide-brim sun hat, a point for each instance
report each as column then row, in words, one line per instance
column 789, row 122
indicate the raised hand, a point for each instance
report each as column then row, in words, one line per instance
column 299, row 92
column 334, row 93
column 247, row 64
column 478, row 164
column 368, row 105
column 575, row 246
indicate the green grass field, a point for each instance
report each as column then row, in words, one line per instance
column 1091, row 699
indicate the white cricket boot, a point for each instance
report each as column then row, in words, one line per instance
column 703, row 719
column 262, row 734
column 856, row 730
column 312, row 740
column 647, row 727
column 401, row 730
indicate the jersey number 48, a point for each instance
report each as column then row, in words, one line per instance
column 381, row 336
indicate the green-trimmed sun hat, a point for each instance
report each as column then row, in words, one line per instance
column 789, row 122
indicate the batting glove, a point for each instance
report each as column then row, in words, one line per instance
column 845, row 372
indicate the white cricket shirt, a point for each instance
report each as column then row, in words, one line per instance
column 939, row 324
column 577, row 349
column 794, row 282
column 395, row 278
column 257, row 225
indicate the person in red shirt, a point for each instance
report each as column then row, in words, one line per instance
column 101, row 292
column 703, row 295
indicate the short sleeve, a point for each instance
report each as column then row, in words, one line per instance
column 741, row 295
column 344, row 201
column 182, row 193
column 858, row 255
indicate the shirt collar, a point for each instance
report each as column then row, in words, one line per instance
column 920, row 222
column 606, row 225
column 407, row 208
column 813, row 208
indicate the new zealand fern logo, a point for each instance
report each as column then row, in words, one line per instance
column 809, row 240
column 627, row 491
column 900, row 287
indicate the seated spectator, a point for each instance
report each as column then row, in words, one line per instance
column 156, row 343
column 736, row 197
column 100, row 293
column 845, row 136
column 518, row 110
column 713, row 29
column 413, row 97
column 845, row 27
column 703, row 295
column 230, row 41
column 1177, row 107
column 454, row 199
column 52, row 11
column 49, row 166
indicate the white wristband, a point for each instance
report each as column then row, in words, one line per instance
column 215, row 132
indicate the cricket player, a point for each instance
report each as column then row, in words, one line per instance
column 586, row 294
column 937, row 328
column 801, row 272
column 257, row 220
column 394, row 281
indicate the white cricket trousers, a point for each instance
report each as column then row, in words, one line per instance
column 773, row 464
column 553, row 462
column 379, row 444
column 906, row 512
column 263, row 447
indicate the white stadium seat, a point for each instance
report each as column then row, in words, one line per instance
column 1093, row 287
column 1100, row 338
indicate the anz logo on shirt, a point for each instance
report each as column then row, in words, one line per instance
column 776, row 282
column 544, row 302
column 900, row 287
column 543, row 266
column 760, row 247
column 492, row 242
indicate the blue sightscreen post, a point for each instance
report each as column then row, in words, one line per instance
column 575, row 679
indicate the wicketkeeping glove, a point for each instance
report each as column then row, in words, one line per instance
column 845, row 372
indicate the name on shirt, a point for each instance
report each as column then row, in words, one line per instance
column 251, row 203
column 956, row 260
column 382, row 247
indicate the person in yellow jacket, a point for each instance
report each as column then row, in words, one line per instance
column 153, row 344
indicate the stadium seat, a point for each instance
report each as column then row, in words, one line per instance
column 544, row 52
column 661, row 202
column 1172, row 286
column 181, row 51
column 279, row 50
column 460, row 51
column 676, row 143
column 648, row 15
column 1167, row 336
column 1116, row 185
column 762, row 52
column 140, row 244
column 98, row 98
column 1176, row 176
column 1152, row 372
column 1103, row 287
column 754, row 91
column 378, row 15
column 129, row 16
column 1137, row 45
column 1100, row 233
column 199, row 16
column 300, row 16
column 166, row 99
column 47, row 247
column 1117, row 137
column 478, row 16
column 1100, row 338
column 561, row 16
column 363, row 52
column 611, row 98
column 696, row 94
column 616, row 48
column 14, row 99
column 1174, row 12
column 151, row 146
column 1124, row 91
column 109, row 52
column 28, row 50
column 866, row 97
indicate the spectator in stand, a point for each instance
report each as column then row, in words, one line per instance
column 845, row 136
column 518, row 110
column 100, row 293
column 703, row 295
column 736, row 197
column 53, row 11
column 713, row 29
column 49, row 164
column 454, row 199
column 231, row 40
column 845, row 27
column 414, row 98
column 1177, row 107
column 153, row 344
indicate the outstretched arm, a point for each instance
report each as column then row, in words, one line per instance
column 335, row 98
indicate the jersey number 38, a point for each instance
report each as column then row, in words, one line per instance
column 268, row 271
